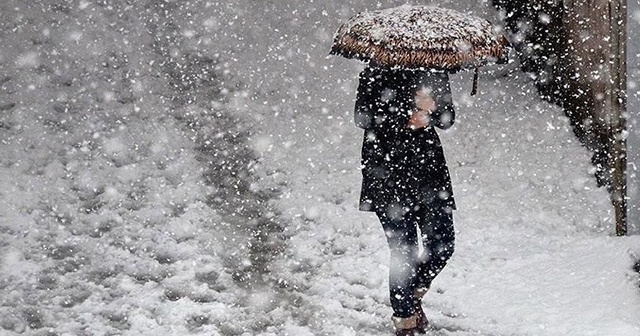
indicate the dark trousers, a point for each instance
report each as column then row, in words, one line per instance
column 408, row 269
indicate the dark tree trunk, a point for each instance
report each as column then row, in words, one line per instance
column 572, row 50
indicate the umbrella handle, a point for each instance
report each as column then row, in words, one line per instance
column 474, row 89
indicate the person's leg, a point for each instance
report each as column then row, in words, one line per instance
column 402, row 237
column 438, row 236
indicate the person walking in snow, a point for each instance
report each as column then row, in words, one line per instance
column 406, row 181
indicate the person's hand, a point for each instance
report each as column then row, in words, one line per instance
column 419, row 119
column 424, row 106
column 424, row 101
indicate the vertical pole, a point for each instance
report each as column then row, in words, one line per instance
column 618, row 104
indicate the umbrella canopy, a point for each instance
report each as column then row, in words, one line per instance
column 420, row 37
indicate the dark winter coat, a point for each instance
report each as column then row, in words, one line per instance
column 402, row 168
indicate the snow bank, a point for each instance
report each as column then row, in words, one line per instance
column 127, row 197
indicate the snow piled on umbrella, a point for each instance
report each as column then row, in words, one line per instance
column 420, row 37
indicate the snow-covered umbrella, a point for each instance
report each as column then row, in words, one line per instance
column 414, row 37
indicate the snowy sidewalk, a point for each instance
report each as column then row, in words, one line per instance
column 107, row 226
column 534, row 254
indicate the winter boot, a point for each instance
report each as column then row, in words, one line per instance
column 421, row 319
column 405, row 326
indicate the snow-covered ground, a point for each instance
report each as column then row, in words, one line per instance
column 113, row 222
column 534, row 254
